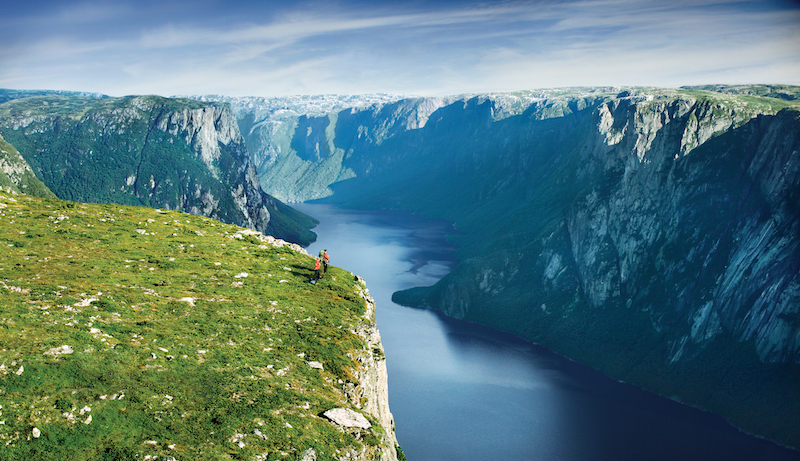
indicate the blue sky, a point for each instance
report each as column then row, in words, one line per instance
column 414, row 47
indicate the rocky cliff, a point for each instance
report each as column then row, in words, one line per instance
column 146, row 150
column 651, row 233
column 372, row 391
column 16, row 175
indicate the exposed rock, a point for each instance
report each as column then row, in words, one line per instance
column 56, row 351
column 309, row 455
column 16, row 175
column 370, row 391
column 269, row 126
column 347, row 418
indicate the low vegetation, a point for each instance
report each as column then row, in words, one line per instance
column 134, row 333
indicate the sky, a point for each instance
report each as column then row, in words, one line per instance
column 408, row 47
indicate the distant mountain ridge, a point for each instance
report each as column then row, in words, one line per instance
column 651, row 233
column 785, row 92
column 268, row 126
column 145, row 150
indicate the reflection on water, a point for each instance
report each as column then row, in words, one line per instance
column 463, row 392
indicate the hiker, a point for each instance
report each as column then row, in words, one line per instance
column 316, row 270
column 322, row 259
column 325, row 260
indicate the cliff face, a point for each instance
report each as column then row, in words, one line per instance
column 16, row 175
column 152, row 151
column 698, row 223
column 650, row 233
column 372, row 391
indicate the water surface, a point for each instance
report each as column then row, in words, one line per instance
column 463, row 392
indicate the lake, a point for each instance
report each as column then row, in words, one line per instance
column 463, row 392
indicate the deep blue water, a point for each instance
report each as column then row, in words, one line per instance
column 463, row 392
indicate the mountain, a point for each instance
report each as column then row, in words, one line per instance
column 289, row 171
column 132, row 333
column 653, row 234
column 145, row 150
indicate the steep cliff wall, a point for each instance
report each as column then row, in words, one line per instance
column 372, row 391
column 700, row 210
column 16, row 175
column 147, row 150
column 664, row 251
column 650, row 233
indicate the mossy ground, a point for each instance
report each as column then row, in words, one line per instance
column 189, row 338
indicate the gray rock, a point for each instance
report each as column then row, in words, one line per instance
column 347, row 418
column 56, row 351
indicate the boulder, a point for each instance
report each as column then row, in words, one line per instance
column 347, row 418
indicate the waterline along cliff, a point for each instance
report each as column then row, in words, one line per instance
column 653, row 234
column 131, row 333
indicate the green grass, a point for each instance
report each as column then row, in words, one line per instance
column 743, row 102
column 187, row 336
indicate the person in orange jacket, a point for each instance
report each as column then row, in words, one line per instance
column 325, row 260
column 316, row 270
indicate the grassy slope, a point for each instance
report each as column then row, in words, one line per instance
column 185, row 338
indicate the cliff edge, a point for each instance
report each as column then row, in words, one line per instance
column 137, row 333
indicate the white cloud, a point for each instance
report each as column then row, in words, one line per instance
column 466, row 48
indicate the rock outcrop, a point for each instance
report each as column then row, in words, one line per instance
column 371, row 390
column 16, row 175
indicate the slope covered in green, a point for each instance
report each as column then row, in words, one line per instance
column 128, row 332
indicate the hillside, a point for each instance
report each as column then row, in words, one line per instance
column 138, row 333
column 145, row 150
column 650, row 233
